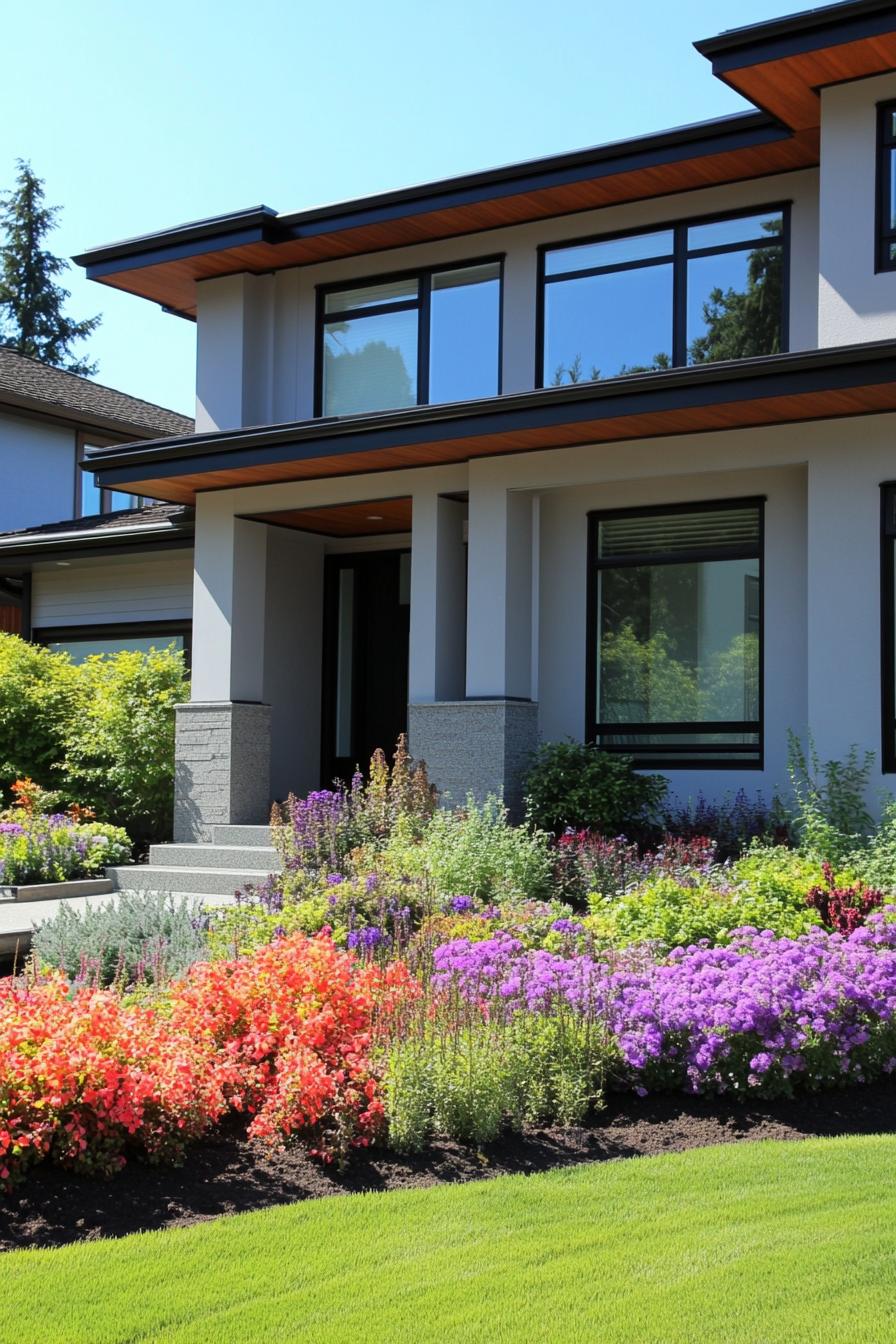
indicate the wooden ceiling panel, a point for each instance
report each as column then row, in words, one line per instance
column 744, row 414
column 788, row 87
column 173, row 283
column 371, row 518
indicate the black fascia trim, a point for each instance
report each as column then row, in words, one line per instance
column 740, row 130
column 627, row 156
column 255, row 216
column 669, row 389
column 795, row 34
column 216, row 242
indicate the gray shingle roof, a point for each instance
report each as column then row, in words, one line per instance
column 179, row 516
column 81, row 399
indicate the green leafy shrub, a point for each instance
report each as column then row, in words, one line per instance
column 119, row 748
column 665, row 912
column 574, row 784
column 100, row 733
column 776, row 873
column 875, row 862
column 831, row 816
column 469, row 1082
column 474, row 851
column 143, row 936
column 39, row 698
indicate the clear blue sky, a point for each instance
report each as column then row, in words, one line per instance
column 142, row 114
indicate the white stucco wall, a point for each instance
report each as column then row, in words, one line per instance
column 256, row 341
column 854, row 303
column 37, row 471
column 156, row 586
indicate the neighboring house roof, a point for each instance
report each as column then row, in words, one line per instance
column 158, row 524
column 825, row 383
column 27, row 384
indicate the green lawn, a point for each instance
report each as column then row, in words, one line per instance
column 766, row 1242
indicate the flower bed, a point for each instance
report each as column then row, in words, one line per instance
column 55, row 848
column 88, row 1076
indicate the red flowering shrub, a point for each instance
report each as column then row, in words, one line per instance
column 87, row 1076
column 843, row 909
column 293, row 1023
column 84, row 1076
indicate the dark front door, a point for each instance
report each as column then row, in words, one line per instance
column 365, row 675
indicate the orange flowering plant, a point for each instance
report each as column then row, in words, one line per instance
column 88, row 1077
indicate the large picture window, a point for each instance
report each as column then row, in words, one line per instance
column 886, row 187
column 686, row 294
column 674, row 672
column 429, row 337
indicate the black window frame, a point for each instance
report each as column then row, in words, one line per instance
column 888, row 626
column 884, row 233
column 85, row 441
column 679, row 258
column 423, row 275
column 165, row 630
column 709, row 756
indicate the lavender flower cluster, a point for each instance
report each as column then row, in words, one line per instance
column 760, row 1015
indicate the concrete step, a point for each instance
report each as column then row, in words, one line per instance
column 241, row 835
column 259, row 858
column 186, row 881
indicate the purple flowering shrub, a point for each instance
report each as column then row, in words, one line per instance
column 370, row 913
column 759, row 1017
column 320, row 831
column 39, row 848
column 732, row 822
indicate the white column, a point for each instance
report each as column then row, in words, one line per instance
column 234, row 352
column 438, row 599
column 229, row 582
column 499, row 592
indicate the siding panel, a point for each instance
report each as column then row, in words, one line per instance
column 113, row 589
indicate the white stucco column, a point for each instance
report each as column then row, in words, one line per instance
column 438, row 599
column 499, row 591
column 478, row 742
column 230, row 572
column 843, row 597
column 222, row 770
column 234, row 352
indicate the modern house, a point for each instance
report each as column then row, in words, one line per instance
column 116, row 572
column 601, row 445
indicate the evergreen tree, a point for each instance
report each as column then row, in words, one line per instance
column 31, row 302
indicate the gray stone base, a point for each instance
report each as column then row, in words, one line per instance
column 222, row 767
column 475, row 746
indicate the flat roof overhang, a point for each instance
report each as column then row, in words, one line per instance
column 777, row 389
column 165, row 267
column 781, row 65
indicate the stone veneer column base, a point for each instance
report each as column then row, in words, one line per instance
column 475, row 746
column 222, row 767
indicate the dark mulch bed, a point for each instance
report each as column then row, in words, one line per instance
column 225, row 1174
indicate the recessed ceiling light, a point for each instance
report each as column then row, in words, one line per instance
column 374, row 517
column 63, row 563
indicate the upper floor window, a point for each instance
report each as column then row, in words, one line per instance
column 429, row 337
column 89, row 498
column 686, row 294
column 886, row 187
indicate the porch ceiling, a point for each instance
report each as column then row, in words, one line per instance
column 373, row 518
column 777, row 389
